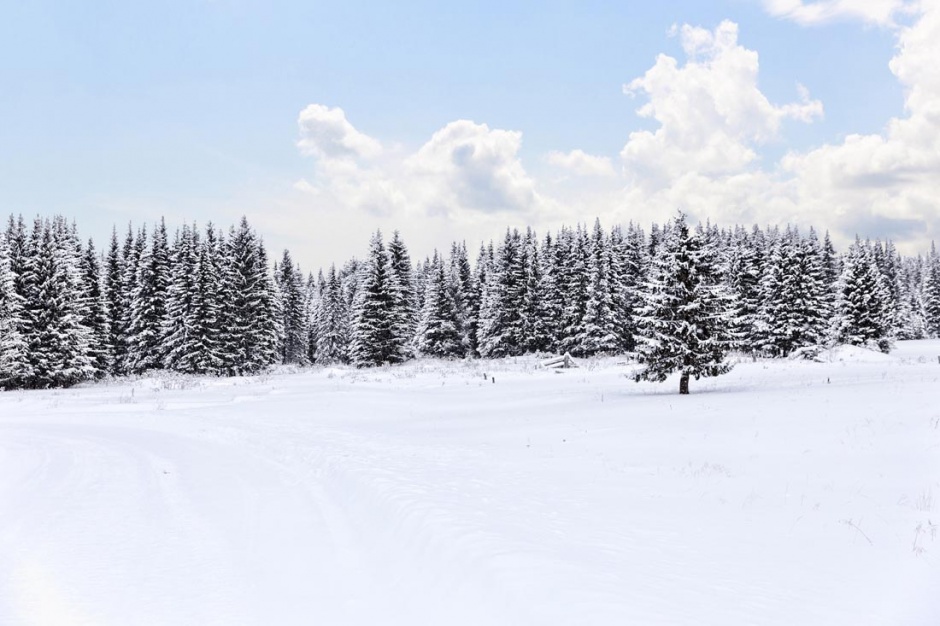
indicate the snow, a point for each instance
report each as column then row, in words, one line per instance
column 785, row 492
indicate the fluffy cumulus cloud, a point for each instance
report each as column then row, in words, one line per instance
column 581, row 163
column 888, row 181
column 711, row 122
column 326, row 133
column 464, row 168
column 880, row 12
column 710, row 111
column 470, row 167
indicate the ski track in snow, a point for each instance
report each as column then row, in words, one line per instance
column 782, row 493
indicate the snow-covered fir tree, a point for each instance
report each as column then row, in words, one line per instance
column 376, row 326
column 294, row 318
column 58, row 343
column 180, row 350
column 600, row 326
column 250, row 319
column 864, row 314
column 95, row 313
column 15, row 370
column 931, row 291
column 333, row 322
column 500, row 324
column 682, row 326
column 438, row 333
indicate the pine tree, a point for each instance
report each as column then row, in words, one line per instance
column 333, row 322
column 931, row 290
column 148, row 315
column 404, row 310
column 600, row 326
column 438, row 335
column 682, row 325
column 500, row 325
column 95, row 315
column 115, row 298
column 15, row 369
column 293, row 312
column 794, row 312
column 251, row 320
column 57, row 341
column 574, row 286
column 375, row 329
column 460, row 285
column 181, row 310
column 864, row 309
column 206, row 339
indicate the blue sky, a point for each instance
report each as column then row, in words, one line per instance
column 115, row 111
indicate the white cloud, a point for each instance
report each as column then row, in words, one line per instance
column 581, row 163
column 327, row 134
column 712, row 120
column 467, row 166
column 464, row 169
column 877, row 12
column 892, row 179
column 711, row 112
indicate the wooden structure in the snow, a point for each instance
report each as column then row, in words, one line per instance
column 564, row 362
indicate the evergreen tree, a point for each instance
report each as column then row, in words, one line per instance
column 460, row 285
column 437, row 331
column 600, row 326
column 15, row 370
column 931, row 291
column 404, row 310
column 206, row 338
column 148, row 316
column 116, row 301
column 864, row 309
column 58, row 343
column 251, row 319
column 376, row 326
column 333, row 322
column 95, row 315
column 794, row 312
column 500, row 324
column 574, row 285
column 180, row 351
column 682, row 325
column 293, row 312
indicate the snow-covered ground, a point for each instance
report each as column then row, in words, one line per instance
column 782, row 493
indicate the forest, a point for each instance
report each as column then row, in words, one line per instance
column 210, row 301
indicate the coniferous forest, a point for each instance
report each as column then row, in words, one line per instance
column 676, row 297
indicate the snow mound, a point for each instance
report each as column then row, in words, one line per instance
column 857, row 354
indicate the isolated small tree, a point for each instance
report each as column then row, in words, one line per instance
column 682, row 325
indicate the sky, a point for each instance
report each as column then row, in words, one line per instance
column 324, row 121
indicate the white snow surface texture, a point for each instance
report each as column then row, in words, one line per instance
column 786, row 492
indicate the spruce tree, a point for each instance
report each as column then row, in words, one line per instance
column 600, row 327
column 181, row 310
column 95, row 313
column 375, row 328
column 438, row 334
column 864, row 309
column 148, row 315
column 251, row 318
column 333, row 322
column 15, row 370
column 293, row 325
column 931, row 291
column 404, row 310
column 683, row 322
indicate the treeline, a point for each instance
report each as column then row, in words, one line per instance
column 209, row 302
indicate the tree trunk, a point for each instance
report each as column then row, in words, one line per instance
column 684, row 384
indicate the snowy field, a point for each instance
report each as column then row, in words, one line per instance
column 782, row 493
